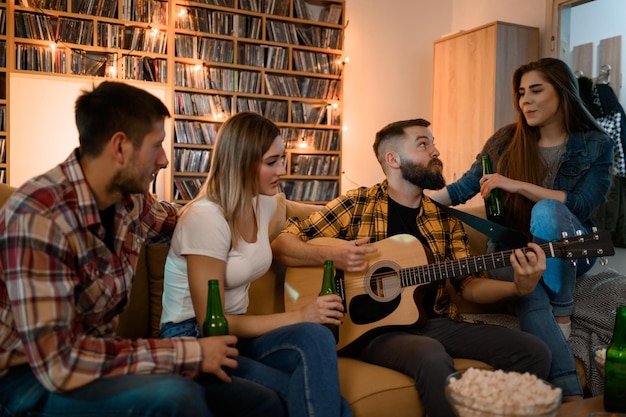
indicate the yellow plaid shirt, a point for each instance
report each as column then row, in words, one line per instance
column 363, row 212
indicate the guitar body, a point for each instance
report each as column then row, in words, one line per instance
column 375, row 300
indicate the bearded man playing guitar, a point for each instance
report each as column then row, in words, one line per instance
column 398, row 206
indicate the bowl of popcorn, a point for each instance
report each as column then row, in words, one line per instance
column 485, row 393
column 598, row 355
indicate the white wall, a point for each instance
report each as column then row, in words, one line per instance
column 43, row 131
column 467, row 14
column 389, row 76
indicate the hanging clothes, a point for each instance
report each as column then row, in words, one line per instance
column 612, row 214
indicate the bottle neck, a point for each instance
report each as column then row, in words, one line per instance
column 619, row 332
column 328, row 282
column 328, row 275
column 486, row 166
column 214, row 299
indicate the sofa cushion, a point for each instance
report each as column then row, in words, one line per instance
column 361, row 384
column 156, row 255
column 285, row 209
column 134, row 322
column 5, row 192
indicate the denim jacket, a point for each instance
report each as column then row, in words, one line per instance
column 584, row 173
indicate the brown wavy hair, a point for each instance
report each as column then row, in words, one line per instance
column 518, row 161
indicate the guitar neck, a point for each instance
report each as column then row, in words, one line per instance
column 436, row 272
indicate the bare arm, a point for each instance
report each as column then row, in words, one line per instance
column 349, row 255
column 324, row 309
column 530, row 191
column 528, row 268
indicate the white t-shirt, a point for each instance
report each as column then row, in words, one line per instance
column 202, row 230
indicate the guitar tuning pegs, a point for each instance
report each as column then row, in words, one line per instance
column 603, row 261
column 573, row 263
column 579, row 232
column 564, row 235
column 594, row 229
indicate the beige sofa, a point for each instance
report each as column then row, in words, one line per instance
column 372, row 391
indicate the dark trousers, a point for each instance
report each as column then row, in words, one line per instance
column 425, row 354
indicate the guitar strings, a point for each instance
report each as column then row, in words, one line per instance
column 444, row 270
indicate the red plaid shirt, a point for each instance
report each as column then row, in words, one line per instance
column 62, row 289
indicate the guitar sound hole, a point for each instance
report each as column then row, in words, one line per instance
column 384, row 284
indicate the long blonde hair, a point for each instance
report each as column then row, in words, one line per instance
column 239, row 147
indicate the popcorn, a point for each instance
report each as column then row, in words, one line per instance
column 502, row 393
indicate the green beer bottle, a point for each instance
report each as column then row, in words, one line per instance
column 615, row 366
column 493, row 202
column 329, row 287
column 215, row 324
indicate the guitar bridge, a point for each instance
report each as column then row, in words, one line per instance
column 340, row 288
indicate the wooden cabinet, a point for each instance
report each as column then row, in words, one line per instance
column 472, row 93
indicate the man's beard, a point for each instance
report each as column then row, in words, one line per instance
column 129, row 181
column 427, row 177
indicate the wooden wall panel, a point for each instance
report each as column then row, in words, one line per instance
column 582, row 59
column 472, row 96
column 610, row 52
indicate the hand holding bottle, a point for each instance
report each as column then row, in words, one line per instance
column 219, row 355
column 218, row 348
column 323, row 310
column 329, row 287
column 493, row 202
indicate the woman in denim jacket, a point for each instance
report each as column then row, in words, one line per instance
column 552, row 169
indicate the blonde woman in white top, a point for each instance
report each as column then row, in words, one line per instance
column 223, row 234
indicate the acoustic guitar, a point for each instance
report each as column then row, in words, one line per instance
column 376, row 300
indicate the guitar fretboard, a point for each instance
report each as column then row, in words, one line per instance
column 436, row 272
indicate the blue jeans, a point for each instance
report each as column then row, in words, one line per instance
column 156, row 395
column 554, row 295
column 298, row 362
